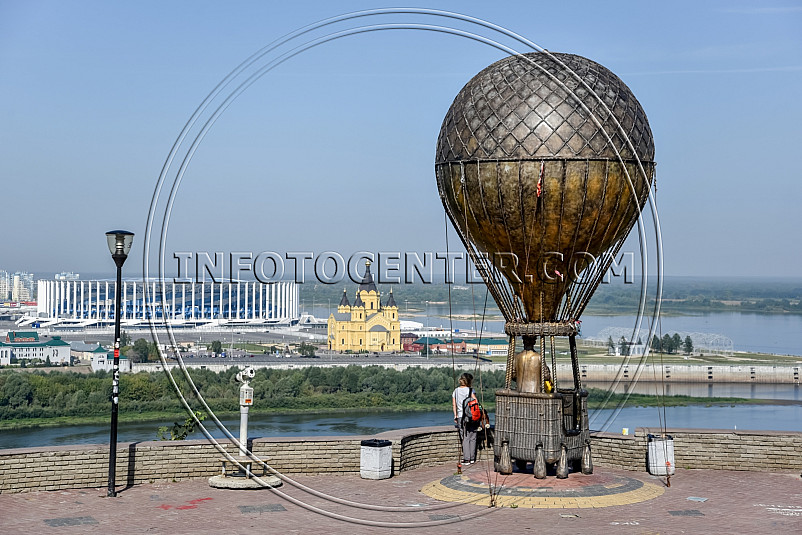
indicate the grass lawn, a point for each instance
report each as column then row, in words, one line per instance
column 598, row 355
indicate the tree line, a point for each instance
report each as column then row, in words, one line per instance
column 141, row 350
column 670, row 344
column 43, row 394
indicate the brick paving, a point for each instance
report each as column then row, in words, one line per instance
column 720, row 502
column 482, row 486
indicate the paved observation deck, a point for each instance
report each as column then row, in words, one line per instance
column 726, row 482
column 698, row 501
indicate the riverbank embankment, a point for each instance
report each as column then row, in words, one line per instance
column 670, row 373
column 673, row 373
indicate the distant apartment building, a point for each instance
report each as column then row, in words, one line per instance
column 5, row 285
column 25, row 345
column 67, row 276
column 22, row 286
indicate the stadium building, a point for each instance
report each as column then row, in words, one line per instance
column 80, row 304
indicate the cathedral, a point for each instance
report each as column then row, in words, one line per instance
column 367, row 325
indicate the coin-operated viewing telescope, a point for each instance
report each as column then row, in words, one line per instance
column 243, row 477
column 543, row 164
column 245, row 402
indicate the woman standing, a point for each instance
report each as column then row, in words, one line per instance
column 467, row 428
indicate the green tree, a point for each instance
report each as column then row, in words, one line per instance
column 216, row 347
column 676, row 342
column 140, row 350
column 688, row 346
column 16, row 391
column 307, row 350
column 623, row 347
column 153, row 352
column 667, row 344
column 610, row 345
column 180, row 431
column 125, row 339
column 77, row 401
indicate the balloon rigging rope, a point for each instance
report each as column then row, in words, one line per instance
column 553, row 365
column 588, row 293
column 477, row 368
column 450, row 315
column 480, row 332
column 537, row 212
column 518, row 312
column 661, row 402
column 567, row 311
column 541, row 212
column 662, row 398
column 498, row 281
column 492, row 277
column 581, row 296
column 479, row 345
column 528, row 242
column 560, row 228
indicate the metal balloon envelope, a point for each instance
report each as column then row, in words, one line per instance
column 543, row 164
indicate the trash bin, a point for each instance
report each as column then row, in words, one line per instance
column 660, row 455
column 376, row 459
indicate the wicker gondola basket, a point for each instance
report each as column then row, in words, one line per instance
column 526, row 420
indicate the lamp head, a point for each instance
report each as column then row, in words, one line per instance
column 119, row 242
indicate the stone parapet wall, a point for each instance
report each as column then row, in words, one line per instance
column 83, row 466
column 627, row 452
column 764, row 451
column 86, row 466
column 711, row 449
column 299, row 455
column 428, row 448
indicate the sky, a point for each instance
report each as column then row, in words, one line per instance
column 334, row 148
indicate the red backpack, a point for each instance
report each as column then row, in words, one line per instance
column 471, row 409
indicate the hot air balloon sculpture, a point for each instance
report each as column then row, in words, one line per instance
column 543, row 163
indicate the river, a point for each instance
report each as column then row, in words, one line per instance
column 715, row 390
column 757, row 333
column 756, row 417
column 780, row 334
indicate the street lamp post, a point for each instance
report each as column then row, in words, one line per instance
column 119, row 245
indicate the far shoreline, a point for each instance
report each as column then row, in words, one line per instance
column 634, row 400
